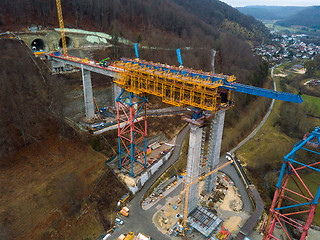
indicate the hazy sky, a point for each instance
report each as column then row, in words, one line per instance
column 241, row 3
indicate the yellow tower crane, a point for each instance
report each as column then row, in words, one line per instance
column 62, row 31
column 186, row 189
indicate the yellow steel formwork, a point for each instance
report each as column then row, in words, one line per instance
column 173, row 88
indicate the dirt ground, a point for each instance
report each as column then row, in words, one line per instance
column 280, row 75
column 166, row 218
column 44, row 188
column 228, row 209
column 231, row 201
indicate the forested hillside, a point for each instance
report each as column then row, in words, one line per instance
column 270, row 12
column 31, row 101
column 188, row 20
column 309, row 17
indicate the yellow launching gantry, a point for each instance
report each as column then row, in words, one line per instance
column 176, row 86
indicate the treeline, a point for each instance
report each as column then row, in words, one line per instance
column 196, row 22
column 313, row 67
column 309, row 17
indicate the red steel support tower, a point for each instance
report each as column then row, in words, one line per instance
column 132, row 134
column 294, row 199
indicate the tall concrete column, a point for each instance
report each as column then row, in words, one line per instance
column 193, row 165
column 214, row 148
column 87, row 92
column 116, row 93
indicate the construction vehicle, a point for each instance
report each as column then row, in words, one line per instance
column 121, row 237
column 124, row 197
column 142, row 237
column 124, row 211
column 105, row 62
column 129, row 236
column 223, row 234
column 187, row 188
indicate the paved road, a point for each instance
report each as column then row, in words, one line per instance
column 230, row 170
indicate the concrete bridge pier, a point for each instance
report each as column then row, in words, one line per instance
column 116, row 92
column 193, row 165
column 214, row 148
column 87, row 92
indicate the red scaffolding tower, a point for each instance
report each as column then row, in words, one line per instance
column 132, row 131
column 295, row 201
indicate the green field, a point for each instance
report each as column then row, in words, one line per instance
column 269, row 23
column 293, row 29
column 312, row 104
column 311, row 180
column 263, row 154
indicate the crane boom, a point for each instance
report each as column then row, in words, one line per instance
column 185, row 211
column 61, row 25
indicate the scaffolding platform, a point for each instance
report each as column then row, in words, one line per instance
column 203, row 221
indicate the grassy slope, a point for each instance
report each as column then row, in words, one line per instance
column 314, row 104
column 31, row 208
column 265, row 151
column 310, row 179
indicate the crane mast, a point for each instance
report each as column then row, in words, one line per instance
column 61, row 25
column 186, row 189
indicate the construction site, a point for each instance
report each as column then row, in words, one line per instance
column 213, row 197
column 208, row 201
column 208, row 205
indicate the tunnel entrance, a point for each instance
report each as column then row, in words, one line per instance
column 68, row 41
column 37, row 45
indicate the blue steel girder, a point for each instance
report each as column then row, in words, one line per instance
column 262, row 92
column 233, row 86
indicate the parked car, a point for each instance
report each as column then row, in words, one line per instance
column 119, row 221
column 106, row 236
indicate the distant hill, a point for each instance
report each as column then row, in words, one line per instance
column 270, row 12
column 308, row 17
column 189, row 19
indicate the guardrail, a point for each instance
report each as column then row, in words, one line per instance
column 256, row 200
